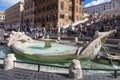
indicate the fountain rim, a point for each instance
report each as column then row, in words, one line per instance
column 15, row 48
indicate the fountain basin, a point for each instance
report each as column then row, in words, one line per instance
column 37, row 48
column 37, row 52
column 33, row 49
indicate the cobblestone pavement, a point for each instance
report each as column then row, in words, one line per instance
column 100, row 77
column 23, row 74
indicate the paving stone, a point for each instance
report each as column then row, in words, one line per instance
column 24, row 74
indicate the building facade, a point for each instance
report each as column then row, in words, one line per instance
column 29, row 12
column 14, row 15
column 2, row 18
column 107, row 8
column 52, row 13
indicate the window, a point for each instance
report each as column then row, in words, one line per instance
column 28, row 13
column 3, row 16
column 77, row 17
column 62, row 5
column 28, row 7
column 39, row 19
column 54, row 6
column 70, row 17
column 30, row 20
column 104, row 7
column 54, row 17
column 80, row 10
column 113, row 5
column 25, row 8
column 80, row 2
column 31, row 5
column 110, row 6
column 31, row 12
column 35, row 20
column 39, row 10
column 76, row 8
column 35, row 12
column 43, row 9
column 61, row 15
column 43, row 18
column 25, row 13
column 70, row 8
column 40, row 2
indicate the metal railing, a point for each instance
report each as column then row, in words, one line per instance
column 39, row 64
column 98, row 69
column 115, row 74
column 1, row 58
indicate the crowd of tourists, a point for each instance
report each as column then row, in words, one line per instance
column 86, row 29
column 97, row 24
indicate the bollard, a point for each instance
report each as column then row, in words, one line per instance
column 9, row 62
column 43, row 37
column 75, row 71
column 59, row 38
column 48, row 37
column 115, row 74
column 76, row 39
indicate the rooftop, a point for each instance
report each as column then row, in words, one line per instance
column 2, row 12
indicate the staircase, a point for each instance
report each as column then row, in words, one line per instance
column 76, row 23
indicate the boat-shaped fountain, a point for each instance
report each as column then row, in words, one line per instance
column 40, row 50
column 51, row 51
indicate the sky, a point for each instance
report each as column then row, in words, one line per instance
column 87, row 3
column 4, row 4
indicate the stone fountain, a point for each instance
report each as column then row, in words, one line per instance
column 21, row 43
column 44, row 50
